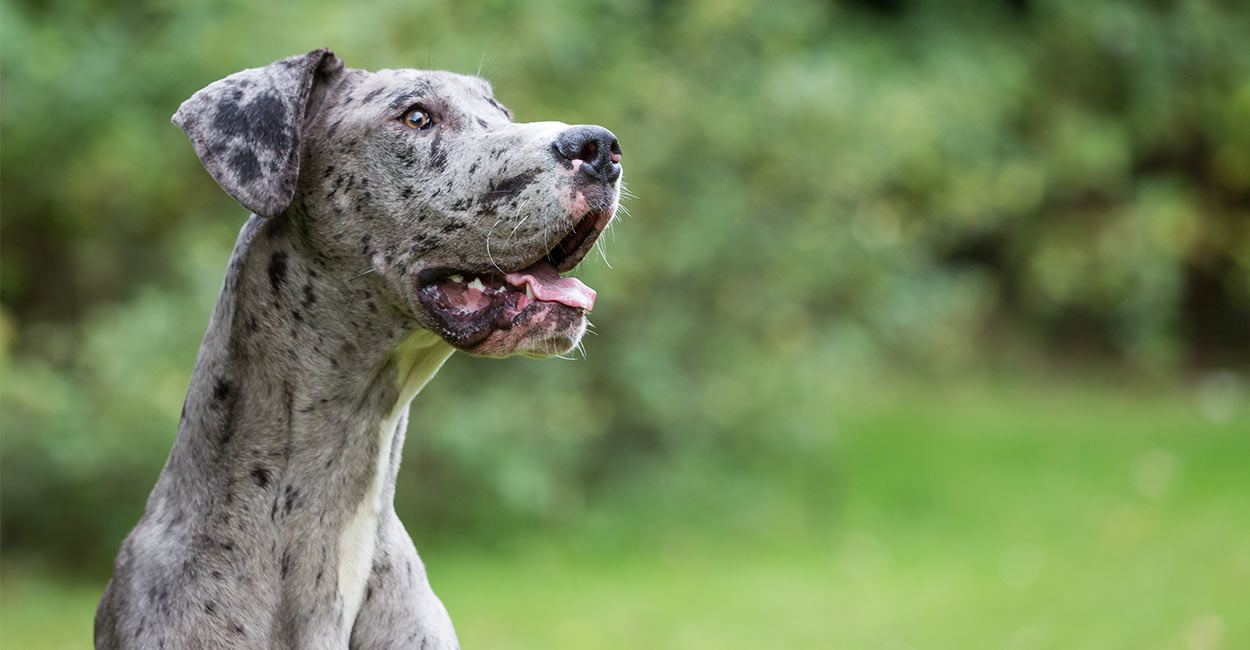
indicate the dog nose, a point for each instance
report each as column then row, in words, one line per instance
column 596, row 147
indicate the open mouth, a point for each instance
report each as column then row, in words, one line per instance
column 467, row 307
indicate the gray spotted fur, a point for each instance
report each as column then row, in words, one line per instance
column 278, row 444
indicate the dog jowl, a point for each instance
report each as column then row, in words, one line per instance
column 398, row 215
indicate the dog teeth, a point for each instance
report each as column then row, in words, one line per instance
column 456, row 278
column 529, row 293
column 477, row 284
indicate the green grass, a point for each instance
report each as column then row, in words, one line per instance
column 973, row 516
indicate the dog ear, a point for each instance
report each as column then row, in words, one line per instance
column 246, row 128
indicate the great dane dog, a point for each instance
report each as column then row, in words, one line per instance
column 397, row 216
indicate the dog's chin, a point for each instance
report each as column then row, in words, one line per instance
column 542, row 330
column 539, row 330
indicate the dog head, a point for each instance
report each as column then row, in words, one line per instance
column 422, row 178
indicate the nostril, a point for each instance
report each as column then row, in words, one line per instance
column 589, row 151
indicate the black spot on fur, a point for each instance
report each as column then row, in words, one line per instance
column 380, row 569
column 245, row 165
column 286, row 563
column 221, row 390
column 399, row 100
column 372, row 95
column 500, row 107
column 262, row 123
column 277, row 270
column 261, row 476
column 508, row 187
column 230, row 118
column 481, row 122
column 438, row 156
column 291, row 495
column 309, row 296
column 405, row 98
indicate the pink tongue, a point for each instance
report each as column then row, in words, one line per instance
column 548, row 286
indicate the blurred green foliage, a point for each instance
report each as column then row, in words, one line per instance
column 823, row 190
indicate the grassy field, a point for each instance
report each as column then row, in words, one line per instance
column 973, row 516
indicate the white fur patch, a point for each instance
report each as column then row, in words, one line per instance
column 418, row 358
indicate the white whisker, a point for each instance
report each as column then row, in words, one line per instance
column 488, row 253
column 514, row 229
column 603, row 255
column 352, row 299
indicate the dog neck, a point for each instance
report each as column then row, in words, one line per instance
column 291, row 433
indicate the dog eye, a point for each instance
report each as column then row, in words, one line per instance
column 418, row 119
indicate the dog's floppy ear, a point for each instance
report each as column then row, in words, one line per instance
column 246, row 128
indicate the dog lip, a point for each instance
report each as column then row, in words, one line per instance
column 573, row 247
column 431, row 276
column 503, row 312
